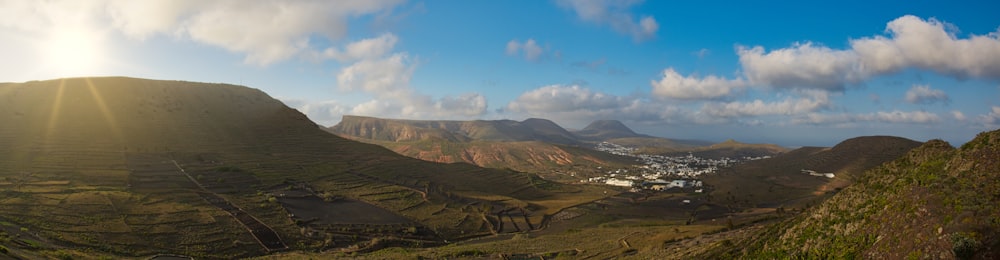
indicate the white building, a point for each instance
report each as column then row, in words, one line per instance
column 617, row 182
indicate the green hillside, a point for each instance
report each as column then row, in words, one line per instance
column 128, row 167
column 935, row 202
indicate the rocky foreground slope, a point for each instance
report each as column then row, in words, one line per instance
column 935, row 202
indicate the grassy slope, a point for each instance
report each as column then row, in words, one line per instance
column 65, row 145
column 936, row 202
column 551, row 161
column 778, row 182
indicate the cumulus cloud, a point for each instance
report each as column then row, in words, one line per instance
column 958, row 115
column 581, row 104
column 559, row 98
column 924, row 94
column 614, row 13
column 804, row 65
column 676, row 86
column 265, row 32
column 325, row 113
column 912, row 43
column 529, row 48
column 932, row 45
column 991, row 118
column 386, row 76
column 470, row 104
column 808, row 102
column 363, row 49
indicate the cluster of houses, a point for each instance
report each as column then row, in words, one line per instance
column 655, row 168
column 637, row 183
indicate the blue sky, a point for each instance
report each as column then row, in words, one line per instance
column 787, row 72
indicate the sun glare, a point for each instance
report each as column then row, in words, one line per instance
column 73, row 52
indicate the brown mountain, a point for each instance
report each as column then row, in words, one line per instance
column 397, row 130
column 126, row 167
column 602, row 130
column 533, row 145
column 780, row 181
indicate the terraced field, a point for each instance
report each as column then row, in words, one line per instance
column 129, row 167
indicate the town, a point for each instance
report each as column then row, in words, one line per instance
column 653, row 170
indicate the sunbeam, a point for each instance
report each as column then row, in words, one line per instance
column 55, row 112
column 105, row 112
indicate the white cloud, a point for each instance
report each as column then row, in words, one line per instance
column 266, row 32
column 385, row 76
column 579, row 104
column 892, row 117
column 958, row 115
column 614, row 13
column 992, row 118
column 929, row 44
column 363, row 49
column 513, row 47
column 919, row 117
column 803, row 66
column 529, row 48
column 676, row 86
column 924, row 94
column 912, row 43
column 325, row 113
column 469, row 105
column 558, row 98
column 810, row 102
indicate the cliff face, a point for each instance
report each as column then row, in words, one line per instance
column 395, row 130
column 392, row 130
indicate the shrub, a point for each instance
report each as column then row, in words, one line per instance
column 964, row 245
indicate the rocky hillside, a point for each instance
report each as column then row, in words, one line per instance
column 533, row 145
column 936, row 202
column 397, row 130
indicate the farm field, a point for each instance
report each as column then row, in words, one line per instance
column 131, row 168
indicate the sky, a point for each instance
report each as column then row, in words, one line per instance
column 794, row 73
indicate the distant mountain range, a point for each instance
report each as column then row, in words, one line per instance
column 532, row 145
column 398, row 130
